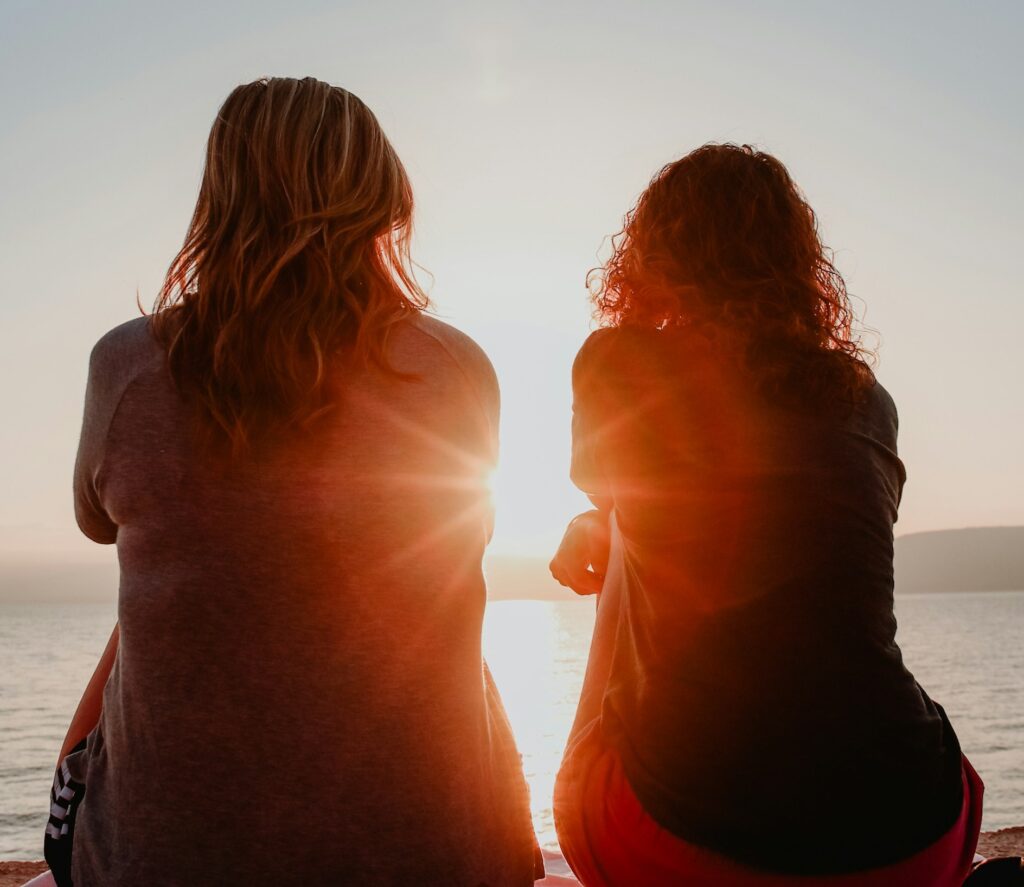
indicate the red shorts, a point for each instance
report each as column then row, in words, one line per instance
column 610, row 841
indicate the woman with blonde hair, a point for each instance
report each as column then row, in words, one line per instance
column 290, row 456
column 746, row 718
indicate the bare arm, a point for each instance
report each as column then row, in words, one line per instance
column 87, row 715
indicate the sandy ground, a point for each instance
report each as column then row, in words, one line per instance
column 13, row 874
column 1005, row 842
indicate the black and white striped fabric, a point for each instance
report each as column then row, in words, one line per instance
column 65, row 796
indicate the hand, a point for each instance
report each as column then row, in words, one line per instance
column 582, row 557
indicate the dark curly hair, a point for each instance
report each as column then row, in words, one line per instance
column 723, row 242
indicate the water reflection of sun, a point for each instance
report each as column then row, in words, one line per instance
column 537, row 652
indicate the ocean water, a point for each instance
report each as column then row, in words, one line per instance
column 966, row 649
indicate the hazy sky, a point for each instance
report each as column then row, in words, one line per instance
column 528, row 129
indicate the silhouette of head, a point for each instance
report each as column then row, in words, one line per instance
column 723, row 242
column 297, row 251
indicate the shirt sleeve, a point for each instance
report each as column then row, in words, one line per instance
column 92, row 517
column 485, row 395
column 490, row 398
column 588, row 427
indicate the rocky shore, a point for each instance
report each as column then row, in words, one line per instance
column 1005, row 842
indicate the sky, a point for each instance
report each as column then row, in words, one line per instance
column 528, row 129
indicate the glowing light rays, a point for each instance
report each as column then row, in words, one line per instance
column 464, row 474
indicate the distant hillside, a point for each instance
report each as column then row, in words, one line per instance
column 972, row 559
column 975, row 559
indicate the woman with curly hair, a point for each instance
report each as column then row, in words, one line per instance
column 290, row 456
column 746, row 716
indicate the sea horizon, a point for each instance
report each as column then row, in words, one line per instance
column 966, row 559
column 965, row 648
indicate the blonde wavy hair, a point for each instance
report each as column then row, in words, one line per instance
column 297, row 253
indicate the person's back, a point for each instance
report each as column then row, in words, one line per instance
column 758, row 658
column 299, row 684
column 291, row 458
column 746, row 717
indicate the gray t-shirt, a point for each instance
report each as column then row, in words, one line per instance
column 299, row 694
